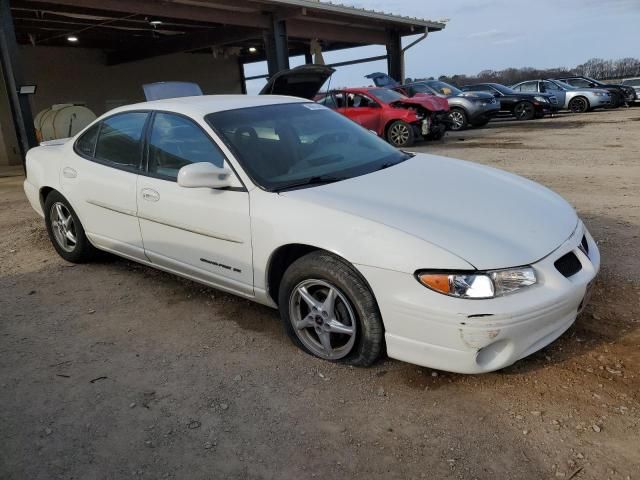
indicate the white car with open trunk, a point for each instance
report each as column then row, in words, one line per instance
column 362, row 247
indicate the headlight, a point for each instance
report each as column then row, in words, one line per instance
column 542, row 99
column 601, row 94
column 488, row 284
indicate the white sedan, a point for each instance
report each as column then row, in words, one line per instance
column 363, row 248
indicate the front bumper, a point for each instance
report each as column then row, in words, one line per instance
column 485, row 112
column 475, row 336
column 599, row 101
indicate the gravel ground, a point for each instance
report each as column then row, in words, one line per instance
column 114, row 370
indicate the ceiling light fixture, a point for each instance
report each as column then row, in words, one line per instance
column 155, row 23
column 253, row 49
column 72, row 38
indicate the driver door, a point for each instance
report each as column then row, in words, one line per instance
column 202, row 233
column 363, row 110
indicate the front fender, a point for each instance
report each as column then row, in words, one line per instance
column 277, row 220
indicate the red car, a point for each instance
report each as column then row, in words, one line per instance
column 398, row 119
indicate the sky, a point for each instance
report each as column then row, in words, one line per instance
column 495, row 34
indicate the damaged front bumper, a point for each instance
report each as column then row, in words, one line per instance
column 433, row 125
column 475, row 336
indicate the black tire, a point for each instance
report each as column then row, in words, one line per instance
column 459, row 119
column 400, row 134
column 321, row 267
column 579, row 105
column 524, row 111
column 480, row 123
column 79, row 251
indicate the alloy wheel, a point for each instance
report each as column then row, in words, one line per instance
column 399, row 134
column 457, row 118
column 578, row 105
column 64, row 230
column 323, row 319
column 523, row 110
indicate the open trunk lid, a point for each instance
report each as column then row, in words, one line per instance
column 304, row 81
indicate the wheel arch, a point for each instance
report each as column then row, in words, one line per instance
column 583, row 97
column 44, row 193
column 283, row 256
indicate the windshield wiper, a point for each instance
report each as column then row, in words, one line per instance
column 403, row 159
column 316, row 180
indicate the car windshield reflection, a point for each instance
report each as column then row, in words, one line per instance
column 301, row 144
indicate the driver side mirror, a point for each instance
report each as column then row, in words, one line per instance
column 204, row 175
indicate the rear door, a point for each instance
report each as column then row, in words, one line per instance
column 203, row 233
column 100, row 182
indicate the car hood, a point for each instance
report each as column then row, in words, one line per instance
column 490, row 218
column 304, row 81
column 430, row 102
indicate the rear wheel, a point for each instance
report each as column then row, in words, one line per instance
column 65, row 230
column 328, row 310
column 400, row 134
column 459, row 120
column 524, row 111
column 579, row 105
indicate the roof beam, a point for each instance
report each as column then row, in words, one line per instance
column 168, row 8
column 309, row 29
column 192, row 41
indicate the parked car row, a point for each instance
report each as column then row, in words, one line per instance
column 403, row 113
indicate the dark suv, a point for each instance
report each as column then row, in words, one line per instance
column 523, row 106
column 620, row 94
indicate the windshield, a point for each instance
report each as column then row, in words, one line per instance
column 386, row 96
column 597, row 82
column 562, row 85
column 300, row 144
column 502, row 89
column 421, row 88
column 444, row 88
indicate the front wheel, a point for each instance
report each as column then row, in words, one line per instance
column 400, row 134
column 524, row 111
column 458, row 119
column 65, row 230
column 328, row 310
column 579, row 105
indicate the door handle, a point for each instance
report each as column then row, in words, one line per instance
column 68, row 172
column 150, row 195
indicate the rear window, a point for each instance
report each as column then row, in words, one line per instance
column 120, row 139
column 86, row 144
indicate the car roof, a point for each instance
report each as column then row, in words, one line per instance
column 204, row 104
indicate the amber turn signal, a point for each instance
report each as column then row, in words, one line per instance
column 436, row 281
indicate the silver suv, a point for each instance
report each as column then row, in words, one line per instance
column 578, row 100
column 465, row 108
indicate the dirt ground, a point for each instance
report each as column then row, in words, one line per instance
column 114, row 370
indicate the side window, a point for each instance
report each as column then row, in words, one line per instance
column 86, row 144
column 175, row 142
column 339, row 99
column 550, row 86
column 120, row 139
column 328, row 101
column 529, row 87
column 359, row 101
column 517, row 88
